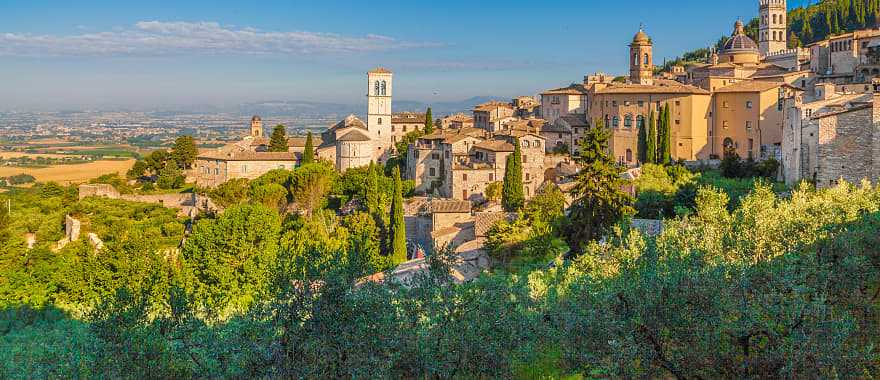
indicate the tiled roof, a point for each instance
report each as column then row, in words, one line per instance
column 443, row 206
column 834, row 113
column 301, row 141
column 576, row 120
column 660, row 86
column 408, row 117
column 574, row 89
column 484, row 221
column 490, row 106
column 380, row 70
column 495, row 146
column 250, row 156
column 751, row 86
column 354, row 135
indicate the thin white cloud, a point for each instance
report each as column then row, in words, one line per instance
column 174, row 38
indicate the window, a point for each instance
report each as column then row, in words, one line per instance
column 537, row 143
column 404, row 128
column 380, row 122
column 432, row 172
column 677, row 122
column 525, row 143
column 244, row 169
column 725, row 105
column 725, row 124
column 554, row 100
column 626, row 103
column 677, row 103
column 640, row 122
column 525, row 159
column 749, row 126
column 528, row 177
column 615, row 122
column 447, row 154
column 376, row 89
column 751, row 146
column 464, row 177
column 629, row 155
column 628, row 121
column 393, row 128
column 614, row 103
column 641, row 103
column 647, row 60
column 435, row 156
column 384, row 88
column 491, row 177
column 749, row 104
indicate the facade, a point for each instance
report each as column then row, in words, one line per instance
column 456, row 121
column 405, row 122
column 380, row 90
column 641, row 66
column 492, row 115
column 749, row 118
column 564, row 101
column 847, row 58
column 215, row 168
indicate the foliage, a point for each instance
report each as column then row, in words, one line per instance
column 402, row 149
column 20, row 179
column 561, row 149
column 494, row 191
column 512, row 196
column 732, row 166
column 230, row 193
column 651, row 140
column 278, row 140
column 310, row 185
column 397, row 229
column 118, row 183
column 308, row 155
column 429, row 122
column 664, row 136
column 139, row 169
column 184, row 152
column 600, row 201
column 665, row 191
column 171, row 177
column 231, row 258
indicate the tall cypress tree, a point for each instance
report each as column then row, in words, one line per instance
column 372, row 190
column 278, row 141
column 651, row 140
column 398, row 226
column 512, row 198
column 308, row 156
column 643, row 143
column 429, row 122
column 664, row 137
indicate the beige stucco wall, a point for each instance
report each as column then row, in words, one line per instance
column 765, row 118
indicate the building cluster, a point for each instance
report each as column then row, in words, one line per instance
column 812, row 109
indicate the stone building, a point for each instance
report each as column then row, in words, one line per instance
column 832, row 137
column 772, row 26
column 406, row 122
column 847, row 58
column 457, row 121
column 564, row 101
column 577, row 124
column 749, row 118
column 490, row 116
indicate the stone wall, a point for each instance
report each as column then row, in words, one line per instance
column 72, row 228
column 97, row 190
column 846, row 148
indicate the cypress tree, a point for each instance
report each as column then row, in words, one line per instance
column 643, row 143
column 429, row 122
column 278, row 141
column 372, row 190
column 308, row 156
column 651, row 140
column 512, row 198
column 398, row 226
column 664, row 137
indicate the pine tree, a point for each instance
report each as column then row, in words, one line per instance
column 651, row 140
column 512, row 198
column 398, row 226
column 184, row 152
column 599, row 201
column 278, row 141
column 308, row 156
column 429, row 122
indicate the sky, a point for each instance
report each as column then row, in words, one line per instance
column 82, row 54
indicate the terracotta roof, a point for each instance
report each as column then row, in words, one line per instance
column 752, row 86
column 739, row 41
column 408, row 117
column 380, row 70
column 249, row 156
column 574, row 89
column 300, row 141
column 851, row 109
column 256, row 118
column 495, row 146
column 442, row 206
column 660, row 86
column 484, row 221
column 641, row 37
column 354, row 135
column 459, row 118
column 492, row 106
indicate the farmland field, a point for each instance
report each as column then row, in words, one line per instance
column 67, row 174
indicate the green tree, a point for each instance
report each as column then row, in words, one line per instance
column 512, row 197
column 139, row 169
column 429, row 122
column 651, row 140
column 308, row 155
column 156, row 161
column 372, row 193
column 643, row 143
column 278, row 140
column 664, row 137
column 493, row 191
column 397, row 228
column 600, row 201
column 310, row 185
column 230, row 193
column 184, row 152
column 232, row 258
column 171, row 177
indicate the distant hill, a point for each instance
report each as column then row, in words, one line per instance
column 313, row 109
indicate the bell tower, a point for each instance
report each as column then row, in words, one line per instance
column 641, row 55
column 380, row 85
column 256, row 127
column 773, row 27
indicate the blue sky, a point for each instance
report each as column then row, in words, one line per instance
column 156, row 54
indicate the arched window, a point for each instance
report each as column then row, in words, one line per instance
column 376, row 89
column 628, row 122
column 640, row 122
column 774, row 19
column 635, row 61
column 607, row 121
column 380, row 121
column 384, row 88
column 729, row 147
column 629, row 155
column 647, row 59
column 615, row 122
column 525, row 144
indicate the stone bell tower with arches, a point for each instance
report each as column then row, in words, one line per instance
column 773, row 26
column 380, row 87
column 641, row 65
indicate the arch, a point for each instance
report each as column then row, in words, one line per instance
column 526, row 144
column 875, row 72
column 615, row 121
column 729, row 147
column 607, row 121
column 628, row 121
column 774, row 19
column 635, row 61
column 647, row 59
column 629, row 155
column 376, row 89
column 380, row 121
column 384, row 88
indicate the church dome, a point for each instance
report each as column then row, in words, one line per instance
column 641, row 38
column 740, row 41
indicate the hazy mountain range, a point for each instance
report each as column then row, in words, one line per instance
column 310, row 109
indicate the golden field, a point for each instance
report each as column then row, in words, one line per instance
column 67, row 174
